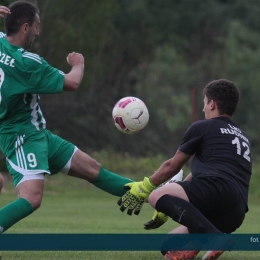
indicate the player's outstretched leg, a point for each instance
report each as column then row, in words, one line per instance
column 111, row 182
column 85, row 167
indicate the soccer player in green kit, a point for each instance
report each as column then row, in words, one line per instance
column 31, row 150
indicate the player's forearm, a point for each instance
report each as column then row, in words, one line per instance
column 164, row 173
column 74, row 78
column 169, row 168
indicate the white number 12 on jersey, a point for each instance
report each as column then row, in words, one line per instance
column 236, row 141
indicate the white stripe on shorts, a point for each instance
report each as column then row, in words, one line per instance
column 20, row 157
column 28, row 174
column 39, row 176
column 26, row 171
column 66, row 168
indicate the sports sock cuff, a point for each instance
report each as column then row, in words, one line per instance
column 160, row 205
column 111, row 182
column 25, row 204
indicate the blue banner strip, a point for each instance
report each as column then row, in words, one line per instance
column 128, row 242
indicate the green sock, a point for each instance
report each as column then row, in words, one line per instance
column 111, row 182
column 13, row 212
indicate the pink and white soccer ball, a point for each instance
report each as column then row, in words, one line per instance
column 130, row 115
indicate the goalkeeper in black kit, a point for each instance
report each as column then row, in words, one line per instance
column 213, row 199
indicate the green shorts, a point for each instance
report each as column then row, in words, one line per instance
column 31, row 155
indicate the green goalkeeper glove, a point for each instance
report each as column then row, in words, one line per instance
column 157, row 220
column 133, row 199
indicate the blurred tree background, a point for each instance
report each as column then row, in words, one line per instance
column 163, row 52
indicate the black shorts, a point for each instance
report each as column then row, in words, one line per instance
column 218, row 200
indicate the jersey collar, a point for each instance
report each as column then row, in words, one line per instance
column 11, row 46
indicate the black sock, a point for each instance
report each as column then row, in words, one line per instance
column 185, row 213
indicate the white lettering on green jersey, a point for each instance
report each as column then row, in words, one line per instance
column 6, row 59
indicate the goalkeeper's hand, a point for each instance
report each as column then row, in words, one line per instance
column 134, row 198
column 160, row 218
column 157, row 220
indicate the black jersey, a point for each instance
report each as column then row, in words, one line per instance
column 220, row 149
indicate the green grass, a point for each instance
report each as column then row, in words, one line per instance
column 74, row 206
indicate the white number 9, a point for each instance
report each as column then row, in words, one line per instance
column 32, row 160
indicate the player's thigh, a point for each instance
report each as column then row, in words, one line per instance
column 66, row 158
column 212, row 196
column 60, row 153
column 173, row 189
column 84, row 166
column 26, row 155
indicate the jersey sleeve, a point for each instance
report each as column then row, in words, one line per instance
column 42, row 78
column 192, row 138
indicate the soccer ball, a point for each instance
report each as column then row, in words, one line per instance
column 130, row 115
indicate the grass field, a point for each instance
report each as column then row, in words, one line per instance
column 74, row 206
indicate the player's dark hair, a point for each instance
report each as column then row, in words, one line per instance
column 225, row 93
column 21, row 12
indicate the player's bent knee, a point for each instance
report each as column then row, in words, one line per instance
column 36, row 203
column 153, row 198
column 173, row 189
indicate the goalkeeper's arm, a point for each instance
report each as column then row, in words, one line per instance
column 169, row 168
column 139, row 191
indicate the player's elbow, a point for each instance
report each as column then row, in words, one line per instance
column 71, row 84
column 72, row 87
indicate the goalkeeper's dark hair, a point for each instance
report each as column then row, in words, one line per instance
column 225, row 93
column 21, row 12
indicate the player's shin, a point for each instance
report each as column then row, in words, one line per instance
column 111, row 182
column 13, row 212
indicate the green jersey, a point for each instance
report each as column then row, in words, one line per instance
column 23, row 76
